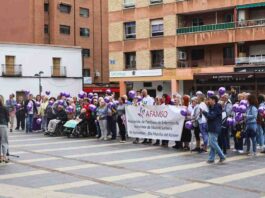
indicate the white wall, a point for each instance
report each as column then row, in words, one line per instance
column 35, row 58
column 12, row 85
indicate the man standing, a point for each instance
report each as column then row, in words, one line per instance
column 30, row 109
column 214, row 117
column 147, row 101
column 20, row 114
column 11, row 106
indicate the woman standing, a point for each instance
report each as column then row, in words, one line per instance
column 102, row 112
column 4, row 119
column 251, row 123
column 42, row 114
column 121, row 119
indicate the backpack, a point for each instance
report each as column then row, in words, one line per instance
column 49, row 112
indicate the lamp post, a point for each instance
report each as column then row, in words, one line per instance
column 39, row 76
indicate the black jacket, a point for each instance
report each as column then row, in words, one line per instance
column 214, row 117
column 61, row 115
column 35, row 110
column 4, row 116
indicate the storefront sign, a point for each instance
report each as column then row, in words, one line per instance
column 100, row 89
column 136, row 73
column 154, row 122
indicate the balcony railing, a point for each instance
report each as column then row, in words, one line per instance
column 250, row 23
column 11, row 70
column 58, row 71
column 205, row 28
column 202, row 63
column 221, row 26
column 252, row 60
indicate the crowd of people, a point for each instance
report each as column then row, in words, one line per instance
column 213, row 119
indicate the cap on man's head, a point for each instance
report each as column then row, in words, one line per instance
column 199, row 93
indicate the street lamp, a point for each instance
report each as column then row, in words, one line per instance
column 39, row 76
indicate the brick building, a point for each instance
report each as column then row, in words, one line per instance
column 183, row 45
column 62, row 22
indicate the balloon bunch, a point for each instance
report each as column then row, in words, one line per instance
column 82, row 95
column 239, row 110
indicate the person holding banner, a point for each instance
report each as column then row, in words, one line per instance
column 121, row 119
column 177, row 101
column 148, row 101
column 214, row 117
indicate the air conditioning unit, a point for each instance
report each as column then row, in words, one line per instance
column 97, row 74
column 182, row 55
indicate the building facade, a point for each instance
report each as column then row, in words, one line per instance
column 20, row 64
column 186, row 44
column 62, row 22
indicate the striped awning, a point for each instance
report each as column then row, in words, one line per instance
column 254, row 5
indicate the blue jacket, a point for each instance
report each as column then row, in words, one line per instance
column 252, row 114
column 214, row 118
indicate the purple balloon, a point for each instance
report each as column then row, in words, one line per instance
column 108, row 92
column 239, row 117
column 70, row 109
column 221, row 91
column 184, row 112
column 244, row 102
column 37, row 104
column 39, row 121
column 67, row 95
column 210, row 93
column 47, row 93
column 188, row 125
column 235, row 107
column 230, row 121
column 132, row 94
column 27, row 92
column 61, row 102
column 111, row 105
column 139, row 98
column 90, row 95
column 92, row 108
column 107, row 99
column 261, row 110
column 51, row 102
column 116, row 102
column 172, row 102
column 242, row 109
column 18, row 106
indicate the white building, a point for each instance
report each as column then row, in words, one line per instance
column 61, row 67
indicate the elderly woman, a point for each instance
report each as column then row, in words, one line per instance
column 4, row 119
column 102, row 112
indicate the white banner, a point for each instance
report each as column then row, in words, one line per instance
column 154, row 122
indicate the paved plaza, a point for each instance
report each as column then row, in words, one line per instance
column 62, row 167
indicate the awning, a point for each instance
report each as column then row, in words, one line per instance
column 254, row 5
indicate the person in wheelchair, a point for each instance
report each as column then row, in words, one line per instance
column 61, row 117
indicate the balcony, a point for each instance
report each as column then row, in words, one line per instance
column 58, row 71
column 10, row 70
column 202, row 63
column 250, row 23
column 205, row 28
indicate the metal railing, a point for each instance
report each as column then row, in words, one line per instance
column 221, row 26
column 204, row 28
column 11, row 70
column 203, row 63
column 252, row 60
column 250, row 23
column 58, row 71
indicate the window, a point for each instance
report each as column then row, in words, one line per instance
column 130, row 30
column 86, row 72
column 197, row 22
column 65, row 8
column 84, row 32
column 197, row 54
column 156, row 1
column 46, row 29
column 157, row 27
column 84, row 12
column 129, row 4
column 229, row 55
column 228, row 18
column 64, row 29
column 46, row 7
column 157, row 57
column 86, row 52
column 130, row 60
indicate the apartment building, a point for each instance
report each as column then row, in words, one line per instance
column 62, row 22
column 170, row 46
